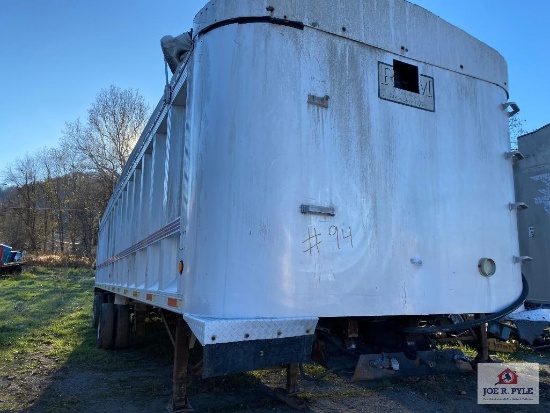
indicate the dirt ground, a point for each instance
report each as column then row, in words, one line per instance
column 143, row 384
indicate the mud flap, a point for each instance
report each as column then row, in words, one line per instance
column 385, row 365
column 228, row 358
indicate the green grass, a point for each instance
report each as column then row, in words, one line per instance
column 44, row 311
column 522, row 355
column 45, row 319
column 45, row 326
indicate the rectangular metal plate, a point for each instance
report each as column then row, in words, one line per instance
column 210, row 330
column 424, row 99
column 227, row 358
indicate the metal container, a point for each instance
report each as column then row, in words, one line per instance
column 318, row 159
column 532, row 179
column 5, row 252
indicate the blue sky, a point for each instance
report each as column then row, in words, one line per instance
column 57, row 54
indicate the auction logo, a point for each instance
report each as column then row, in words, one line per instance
column 507, row 377
column 517, row 383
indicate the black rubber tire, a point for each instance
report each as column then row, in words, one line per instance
column 96, row 311
column 106, row 326
column 122, row 332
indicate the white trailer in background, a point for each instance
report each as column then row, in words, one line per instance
column 532, row 184
column 317, row 165
column 532, row 175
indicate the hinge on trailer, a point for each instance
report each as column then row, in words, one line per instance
column 512, row 105
column 514, row 156
column 518, row 206
column 518, row 260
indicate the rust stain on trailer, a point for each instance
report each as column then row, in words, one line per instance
column 149, row 297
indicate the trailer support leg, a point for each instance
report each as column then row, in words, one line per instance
column 482, row 345
column 289, row 395
column 292, row 379
column 179, row 402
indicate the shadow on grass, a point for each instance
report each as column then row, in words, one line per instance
column 49, row 361
column 139, row 379
column 94, row 380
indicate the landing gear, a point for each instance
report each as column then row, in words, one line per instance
column 179, row 402
column 289, row 395
column 482, row 345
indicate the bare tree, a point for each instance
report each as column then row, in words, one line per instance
column 74, row 200
column 113, row 126
column 54, row 198
column 58, row 167
column 515, row 125
column 85, row 211
column 25, row 201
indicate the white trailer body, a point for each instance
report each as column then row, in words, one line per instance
column 318, row 159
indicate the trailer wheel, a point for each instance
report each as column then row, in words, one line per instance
column 122, row 332
column 96, row 311
column 106, row 326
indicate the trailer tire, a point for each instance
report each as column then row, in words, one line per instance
column 122, row 331
column 96, row 311
column 106, row 326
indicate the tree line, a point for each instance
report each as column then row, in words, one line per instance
column 51, row 201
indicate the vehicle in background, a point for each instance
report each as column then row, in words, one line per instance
column 10, row 260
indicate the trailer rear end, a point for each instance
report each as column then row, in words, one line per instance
column 316, row 168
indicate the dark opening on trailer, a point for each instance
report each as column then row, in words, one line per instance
column 405, row 76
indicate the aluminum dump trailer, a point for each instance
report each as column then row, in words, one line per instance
column 532, row 175
column 314, row 161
